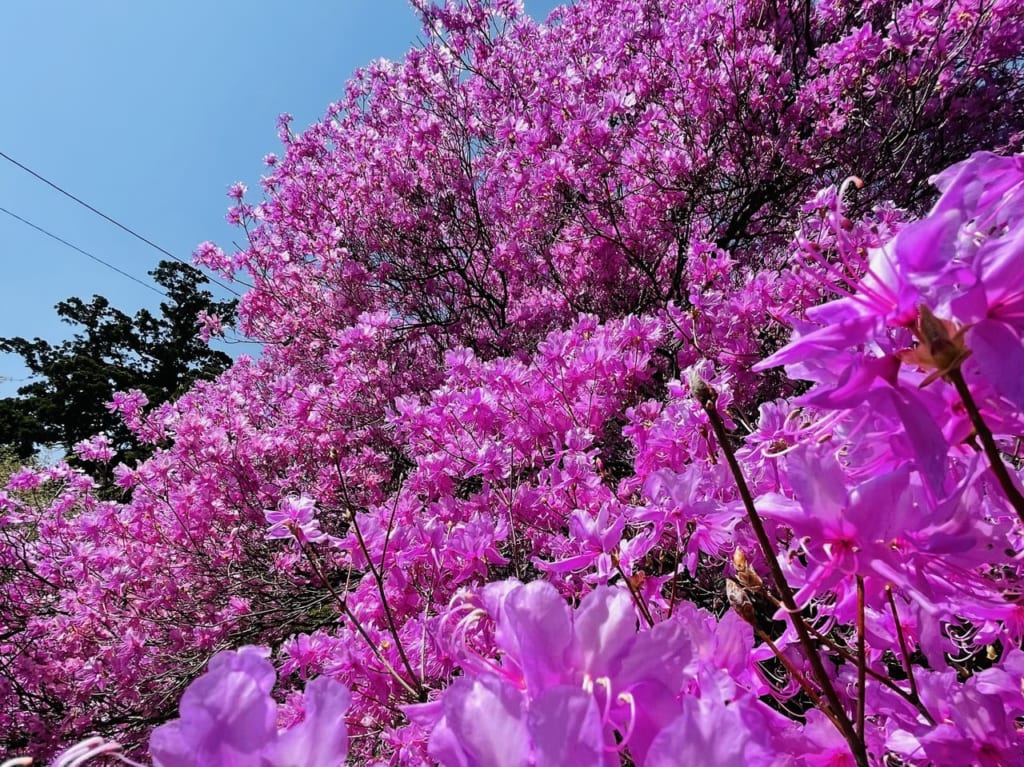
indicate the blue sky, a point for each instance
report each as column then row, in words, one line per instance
column 149, row 111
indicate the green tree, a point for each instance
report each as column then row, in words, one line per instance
column 161, row 355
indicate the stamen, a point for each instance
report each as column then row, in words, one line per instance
column 82, row 752
column 845, row 186
column 627, row 733
column 65, row 757
column 606, row 683
column 18, row 761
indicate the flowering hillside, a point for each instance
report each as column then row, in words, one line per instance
column 642, row 387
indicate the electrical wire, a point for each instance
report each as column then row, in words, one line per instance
column 113, row 221
column 85, row 253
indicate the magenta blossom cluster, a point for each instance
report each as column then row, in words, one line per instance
column 592, row 400
column 583, row 687
column 295, row 519
column 229, row 719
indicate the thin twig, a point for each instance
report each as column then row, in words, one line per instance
column 794, row 672
column 907, row 667
column 707, row 398
column 675, row 580
column 988, row 442
column 347, row 612
column 379, row 582
column 845, row 654
column 637, row 597
column 862, row 659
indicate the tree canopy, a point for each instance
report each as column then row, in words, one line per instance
column 160, row 355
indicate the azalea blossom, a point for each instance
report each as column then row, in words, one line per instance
column 295, row 518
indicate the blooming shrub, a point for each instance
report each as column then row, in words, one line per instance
column 599, row 420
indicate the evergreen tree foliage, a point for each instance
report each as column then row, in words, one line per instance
column 161, row 355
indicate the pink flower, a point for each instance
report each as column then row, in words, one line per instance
column 295, row 519
column 95, row 449
column 844, row 531
column 588, row 669
column 228, row 714
column 210, row 325
column 228, row 720
column 724, row 727
column 25, row 478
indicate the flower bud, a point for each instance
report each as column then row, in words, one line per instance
column 746, row 574
column 739, row 600
column 941, row 346
column 701, row 391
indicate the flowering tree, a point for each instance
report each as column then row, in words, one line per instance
column 600, row 419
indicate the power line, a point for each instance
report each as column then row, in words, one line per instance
column 85, row 253
column 116, row 223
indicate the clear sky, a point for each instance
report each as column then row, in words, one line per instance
column 149, row 111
